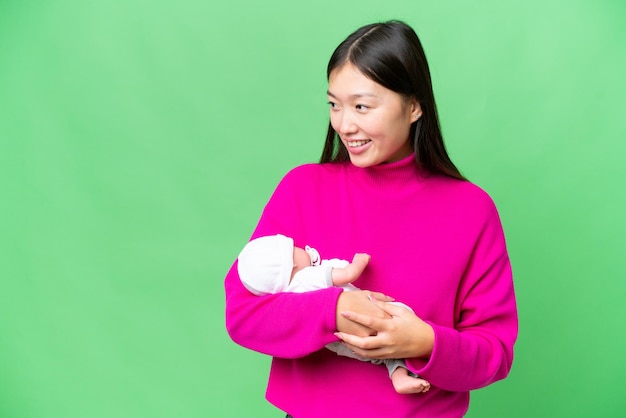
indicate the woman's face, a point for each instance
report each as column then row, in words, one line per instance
column 372, row 121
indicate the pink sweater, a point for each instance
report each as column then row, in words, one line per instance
column 436, row 244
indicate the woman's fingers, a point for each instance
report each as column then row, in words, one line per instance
column 353, row 341
column 365, row 320
column 376, row 323
column 368, row 347
column 374, row 296
column 357, row 301
column 400, row 334
column 390, row 308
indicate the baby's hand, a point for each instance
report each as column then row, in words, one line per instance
column 361, row 259
column 351, row 272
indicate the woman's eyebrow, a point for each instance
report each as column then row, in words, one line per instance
column 355, row 95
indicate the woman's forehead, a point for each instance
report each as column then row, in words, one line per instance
column 348, row 82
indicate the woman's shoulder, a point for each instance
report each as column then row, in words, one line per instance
column 303, row 179
column 313, row 171
column 462, row 193
column 317, row 168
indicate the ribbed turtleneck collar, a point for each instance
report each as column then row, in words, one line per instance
column 391, row 174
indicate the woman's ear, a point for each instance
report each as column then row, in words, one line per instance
column 416, row 110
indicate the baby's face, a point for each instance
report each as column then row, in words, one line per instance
column 300, row 260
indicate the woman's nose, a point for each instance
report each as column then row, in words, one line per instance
column 346, row 124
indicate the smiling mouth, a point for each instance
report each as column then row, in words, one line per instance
column 354, row 144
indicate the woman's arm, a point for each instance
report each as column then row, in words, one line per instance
column 288, row 325
column 478, row 350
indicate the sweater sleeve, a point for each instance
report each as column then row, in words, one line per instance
column 287, row 325
column 478, row 349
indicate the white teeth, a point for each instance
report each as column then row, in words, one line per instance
column 357, row 143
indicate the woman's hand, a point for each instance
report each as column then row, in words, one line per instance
column 359, row 301
column 399, row 334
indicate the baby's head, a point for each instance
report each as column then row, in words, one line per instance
column 268, row 261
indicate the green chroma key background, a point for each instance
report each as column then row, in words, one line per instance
column 139, row 141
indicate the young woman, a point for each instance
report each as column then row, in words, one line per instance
column 385, row 186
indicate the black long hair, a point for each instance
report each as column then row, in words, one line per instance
column 391, row 54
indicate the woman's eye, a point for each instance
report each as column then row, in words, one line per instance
column 332, row 105
column 361, row 107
